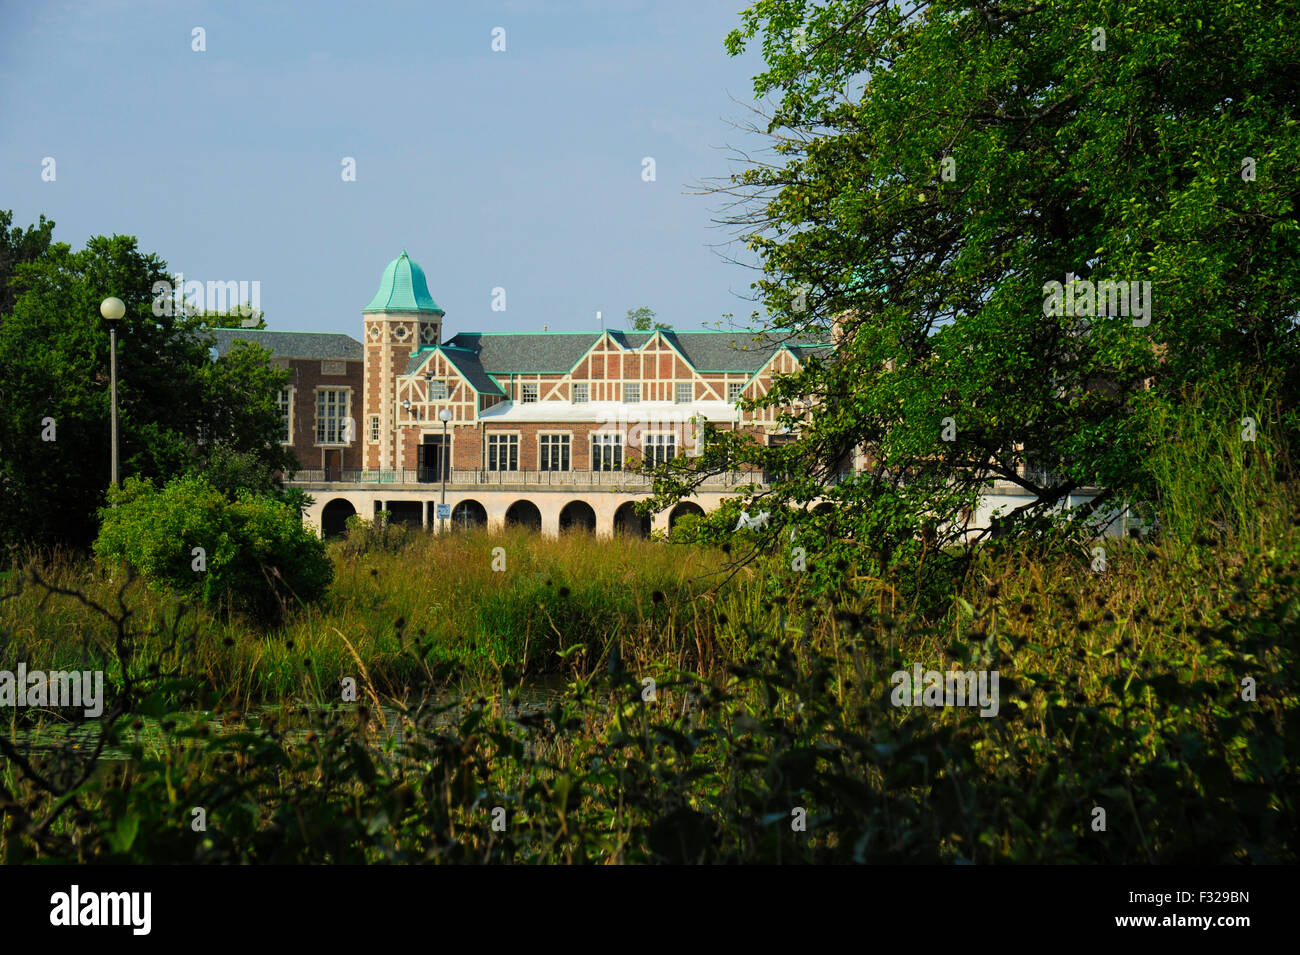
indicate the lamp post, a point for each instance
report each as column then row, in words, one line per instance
column 113, row 309
column 445, row 415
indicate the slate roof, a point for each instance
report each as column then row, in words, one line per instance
column 558, row 352
column 525, row 352
column 322, row 345
column 738, row 351
column 466, row 363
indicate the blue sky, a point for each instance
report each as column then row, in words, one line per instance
column 519, row 169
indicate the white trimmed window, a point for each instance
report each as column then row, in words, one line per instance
column 554, row 451
column 733, row 391
column 606, row 452
column 632, row 392
column 374, row 429
column 530, row 394
column 503, row 452
column 284, row 405
column 331, row 415
column 437, row 391
column 581, row 394
column 660, row 448
column 685, row 393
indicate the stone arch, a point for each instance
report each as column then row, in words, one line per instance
column 578, row 516
column 825, row 507
column 467, row 514
column 524, row 514
column 628, row 521
column 334, row 516
column 682, row 510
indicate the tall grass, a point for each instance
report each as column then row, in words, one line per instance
column 559, row 606
column 1217, row 459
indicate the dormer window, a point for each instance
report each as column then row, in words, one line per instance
column 437, row 391
column 529, row 394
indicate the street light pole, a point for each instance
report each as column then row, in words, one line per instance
column 113, row 309
column 445, row 415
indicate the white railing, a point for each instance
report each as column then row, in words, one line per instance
column 456, row 477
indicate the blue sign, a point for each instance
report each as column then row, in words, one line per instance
column 444, row 511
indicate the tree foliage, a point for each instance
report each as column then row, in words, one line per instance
column 936, row 167
column 180, row 411
column 253, row 554
column 642, row 319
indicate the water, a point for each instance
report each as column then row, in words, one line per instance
column 52, row 736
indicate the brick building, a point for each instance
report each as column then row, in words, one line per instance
column 530, row 428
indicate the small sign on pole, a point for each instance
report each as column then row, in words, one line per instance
column 444, row 511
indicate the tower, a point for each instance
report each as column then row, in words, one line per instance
column 399, row 319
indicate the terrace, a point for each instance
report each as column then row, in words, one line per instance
column 477, row 477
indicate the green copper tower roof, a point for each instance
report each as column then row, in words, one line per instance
column 403, row 289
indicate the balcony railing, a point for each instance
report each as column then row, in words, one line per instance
column 456, row 477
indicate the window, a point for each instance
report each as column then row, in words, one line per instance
column 503, row 452
column 581, row 394
column 733, row 391
column 554, row 452
column 530, row 394
column 374, row 429
column 331, row 412
column 632, row 393
column 685, row 392
column 284, row 405
column 607, row 452
column 437, row 391
column 660, row 448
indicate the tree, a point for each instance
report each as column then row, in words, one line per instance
column 179, row 411
column 253, row 553
column 254, row 319
column 938, row 166
column 16, row 247
column 642, row 319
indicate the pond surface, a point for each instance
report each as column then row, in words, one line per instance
column 55, row 734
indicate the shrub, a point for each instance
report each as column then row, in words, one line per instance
column 256, row 554
column 363, row 537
